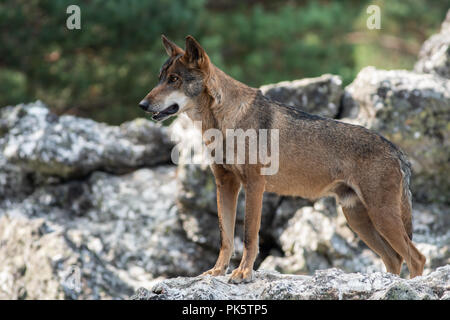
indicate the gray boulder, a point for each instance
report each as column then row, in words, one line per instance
column 116, row 232
column 39, row 142
column 434, row 56
column 38, row 263
column 330, row 284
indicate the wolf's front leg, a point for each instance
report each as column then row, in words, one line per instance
column 254, row 191
column 228, row 186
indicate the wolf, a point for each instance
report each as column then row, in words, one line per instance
column 318, row 157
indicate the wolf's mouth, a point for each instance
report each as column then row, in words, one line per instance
column 172, row 109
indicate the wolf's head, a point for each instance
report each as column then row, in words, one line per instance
column 181, row 80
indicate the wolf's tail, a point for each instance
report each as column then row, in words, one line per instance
column 405, row 167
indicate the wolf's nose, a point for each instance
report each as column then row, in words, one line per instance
column 144, row 105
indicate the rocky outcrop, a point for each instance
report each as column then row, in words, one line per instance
column 117, row 232
column 434, row 56
column 39, row 261
column 330, row 284
column 38, row 141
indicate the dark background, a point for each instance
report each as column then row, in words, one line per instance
column 103, row 70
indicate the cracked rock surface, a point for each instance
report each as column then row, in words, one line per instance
column 329, row 284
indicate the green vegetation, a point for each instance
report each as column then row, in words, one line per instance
column 104, row 69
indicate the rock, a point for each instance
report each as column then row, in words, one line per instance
column 27, row 254
column 434, row 56
column 412, row 111
column 38, row 263
column 286, row 209
column 140, row 225
column 330, row 284
column 39, row 142
column 321, row 95
column 431, row 234
column 14, row 182
column 117, row 231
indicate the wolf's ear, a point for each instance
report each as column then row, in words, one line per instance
column 195, row 54
column 171, row 48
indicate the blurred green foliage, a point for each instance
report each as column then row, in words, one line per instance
column 103, row 70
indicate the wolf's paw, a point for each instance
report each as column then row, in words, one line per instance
column 240, row 275
column 215, row 272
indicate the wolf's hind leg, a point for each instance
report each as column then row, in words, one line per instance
column 359, row 221
column 388, row 222
column 228, row 186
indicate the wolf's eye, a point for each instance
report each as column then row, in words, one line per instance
column 172, row 79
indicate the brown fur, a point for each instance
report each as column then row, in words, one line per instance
column 317, row 157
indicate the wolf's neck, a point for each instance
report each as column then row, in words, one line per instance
column 230, row 98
